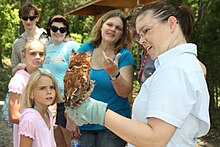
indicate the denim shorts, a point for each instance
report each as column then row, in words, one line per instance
column 100, row 138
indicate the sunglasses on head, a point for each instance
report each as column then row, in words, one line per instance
column 31, row 18
column 55, row 29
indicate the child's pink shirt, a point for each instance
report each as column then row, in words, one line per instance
column 32, row 125
column 16, row 85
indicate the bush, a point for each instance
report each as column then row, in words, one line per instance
column 4, row 80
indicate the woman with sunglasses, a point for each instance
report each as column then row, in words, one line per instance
column 29, row 16
column 172, row 107
column 57, row 61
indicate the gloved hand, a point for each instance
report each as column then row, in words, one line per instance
column 91, row 111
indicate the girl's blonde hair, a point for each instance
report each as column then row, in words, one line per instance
column 26, row 101
column 30, row 43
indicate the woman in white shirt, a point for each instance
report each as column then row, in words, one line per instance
column 172, row 106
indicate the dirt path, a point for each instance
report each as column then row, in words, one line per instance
column 6, row 136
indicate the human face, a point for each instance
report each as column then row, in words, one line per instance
column 154, row 35
column 112, row 30
column 29, row 24
column 34, row 56
column 57, row 37
column 44, row 92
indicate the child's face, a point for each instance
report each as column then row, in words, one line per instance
column 44, row 92
column 34, row 56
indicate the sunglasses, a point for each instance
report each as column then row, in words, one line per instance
column 55, row 29
column 31, row 18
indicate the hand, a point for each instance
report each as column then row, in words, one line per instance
column 72, row 127
column 110, row 66
column 90, row 112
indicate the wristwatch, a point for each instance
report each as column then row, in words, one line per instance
column 113, row 78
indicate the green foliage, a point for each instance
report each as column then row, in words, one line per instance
column 10, row 21
column 207, row 36
column 81, row 25
column 10, row 27
column 78, row 24
column 4, row 78
column 71, row 4
column 78, row 37
column 136, row 88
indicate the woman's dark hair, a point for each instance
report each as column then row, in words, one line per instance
column 130, row 22
column 162, row 10
column 58, row 18
column 27, row 8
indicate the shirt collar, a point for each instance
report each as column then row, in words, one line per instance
column 180, row 49
column 38, row 30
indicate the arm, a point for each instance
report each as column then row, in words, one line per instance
column 124, row 83
column 25, row 141
column 72, row 127
column 15, row 58
column 14, row 107
column 155, row 133
column 203, row 68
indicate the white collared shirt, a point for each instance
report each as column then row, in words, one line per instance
column 176, row 93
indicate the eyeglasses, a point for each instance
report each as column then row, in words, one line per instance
column 141, row 35
column 31, row 18
column 55, row 29
column 144, row 31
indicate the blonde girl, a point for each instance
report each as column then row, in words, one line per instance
column 33, row 55
column 36, row 121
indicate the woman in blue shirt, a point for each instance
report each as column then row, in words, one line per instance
column 172, row 107
column 112, row 70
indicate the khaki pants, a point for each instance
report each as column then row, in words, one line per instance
column 62, row 136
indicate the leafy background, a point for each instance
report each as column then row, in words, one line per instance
column 206, row 35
